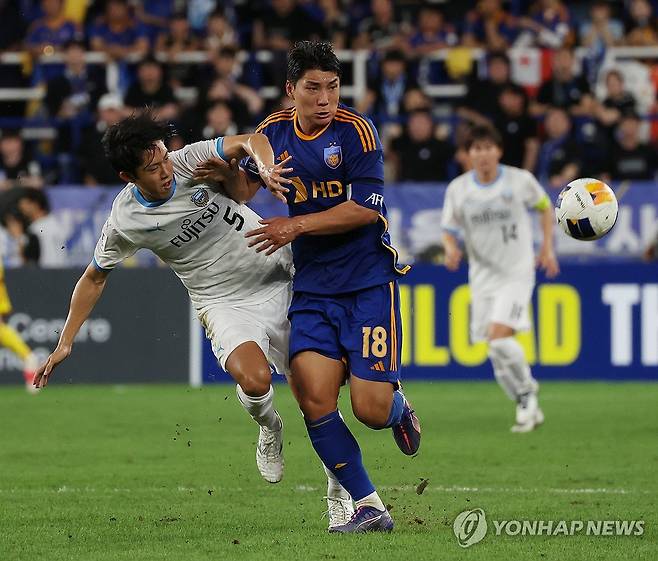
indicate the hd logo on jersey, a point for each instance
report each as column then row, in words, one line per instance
column 200, row 197
column 333, row 156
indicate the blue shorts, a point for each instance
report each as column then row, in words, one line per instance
column 361, row 328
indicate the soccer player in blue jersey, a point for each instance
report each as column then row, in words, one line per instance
column 345, row 316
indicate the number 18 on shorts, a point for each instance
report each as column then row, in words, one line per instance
column 361, row 328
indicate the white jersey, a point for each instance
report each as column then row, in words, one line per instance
column 496, row 226
column 199, row 234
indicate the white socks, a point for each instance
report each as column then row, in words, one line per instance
column 260, row 408
column 371, row 500
column 510, row 367
column 334, row 489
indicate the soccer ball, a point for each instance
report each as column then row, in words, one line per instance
column 586, row 209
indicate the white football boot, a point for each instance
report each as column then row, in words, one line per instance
column 339, row 511
column 528, row 414
column 269, row 453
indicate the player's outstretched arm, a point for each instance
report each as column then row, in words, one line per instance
column 86, row 293
column 257, row 146
column 277, row 232
column 546, row 259
column 453, row 255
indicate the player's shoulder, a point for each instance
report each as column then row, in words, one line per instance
column 459, row 181
column 519, row 176
column 357, row 128
column 122, row 204
column 277, row 119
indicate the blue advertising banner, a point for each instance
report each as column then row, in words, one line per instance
column 414, row 218
column 595, row 322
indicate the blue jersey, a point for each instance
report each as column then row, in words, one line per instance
column 344, row 161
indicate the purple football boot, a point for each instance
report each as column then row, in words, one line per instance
column 407, row 431
column 366, row 519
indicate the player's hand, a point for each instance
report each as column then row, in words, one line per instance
column 273, row 178
column 217, row 170
column 452, row 258
column 275, row 233
column 43, row 373
column 547, row 261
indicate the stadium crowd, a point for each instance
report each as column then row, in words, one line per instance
column 584, row 117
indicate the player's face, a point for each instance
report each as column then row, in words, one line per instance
column 316, row 96
column 484, row 156
column 155, row 175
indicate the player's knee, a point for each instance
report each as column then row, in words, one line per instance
column 371, row 415
column 316, row 407
column 256, row 382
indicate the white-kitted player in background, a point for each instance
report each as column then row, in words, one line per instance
column 490, row 208
column 241, row 296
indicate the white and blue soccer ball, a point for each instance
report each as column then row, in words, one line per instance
column 586, row 209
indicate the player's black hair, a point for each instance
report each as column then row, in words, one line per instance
column 38, row 197
column 126, row 142
column 481, row 133
column 311, row 55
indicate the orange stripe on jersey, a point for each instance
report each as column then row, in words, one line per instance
column 359, row 130
column 275, row 117
column 363, row 126
column 366, row 124
column 394, row 336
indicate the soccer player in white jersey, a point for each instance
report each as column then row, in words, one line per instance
column 489, row 207
column 241, row 296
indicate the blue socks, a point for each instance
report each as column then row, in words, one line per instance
column 396, row 410
column 340, row 452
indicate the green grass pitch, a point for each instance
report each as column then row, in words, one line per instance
column 168, row 472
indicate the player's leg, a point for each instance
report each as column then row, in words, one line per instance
column 316, row 380
column 240, row 344
column 372, row 337
column 10, row 339
column 509, row 314
column 339, row 502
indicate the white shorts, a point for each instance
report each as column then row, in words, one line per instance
column 266, row 324
column 509, row 306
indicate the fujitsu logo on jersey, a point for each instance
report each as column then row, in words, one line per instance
column 376, row 199
column 491, row 215
column 191, row 230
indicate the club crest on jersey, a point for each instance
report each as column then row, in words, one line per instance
column 200, row 197
column 333, row 156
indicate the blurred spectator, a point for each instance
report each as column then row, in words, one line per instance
column 558, row 161
column 386, row 93
column 548, row 26
column 617, row 102
column 219, row 121
column 381, row 30
column 433, row 33
column 24, row 246
column 154, row 15
column 641, row 28
column 53, row 31
column 117, row 34
column 481, row 103
column 224, row 84
column 177, row 39
column 78, row 89
column 418, row 155
column 517, row 129
column 34, row 206
column 17, row 168
column 280, row 26
column 198, row 12
column 335, row 23
column 12, row 25
column 219, row 32
column 94, row 166
column 489, row 26
column 151, row 90
column 564, row 89
column 631, row 159
column 601, row 31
